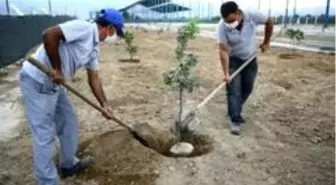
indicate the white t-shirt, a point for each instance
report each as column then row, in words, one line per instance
column 80, row 49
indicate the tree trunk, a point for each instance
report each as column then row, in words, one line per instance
column 181, row 105
column 294, row 47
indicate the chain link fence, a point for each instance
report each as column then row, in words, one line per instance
column 18, row 34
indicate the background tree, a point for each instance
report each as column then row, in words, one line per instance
column 130, row 47
column 296, row 36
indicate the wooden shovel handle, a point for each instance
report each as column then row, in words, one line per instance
column 78, row 94
column 220, row 86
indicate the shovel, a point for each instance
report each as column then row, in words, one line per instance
column 134, row 132
column 192, row 114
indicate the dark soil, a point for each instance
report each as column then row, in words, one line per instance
column 129, row 60
column 290, row 55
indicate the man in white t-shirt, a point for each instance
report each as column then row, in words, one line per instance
column 66, row 48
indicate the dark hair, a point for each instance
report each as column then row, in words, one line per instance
column 100, row 20
column 228, row 8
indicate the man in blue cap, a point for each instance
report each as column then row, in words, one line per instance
column 66, row 48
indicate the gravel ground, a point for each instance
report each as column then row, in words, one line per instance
column 288, row 137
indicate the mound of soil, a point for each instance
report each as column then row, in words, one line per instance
column 119, row 160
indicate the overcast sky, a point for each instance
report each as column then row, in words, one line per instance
column 82, row 7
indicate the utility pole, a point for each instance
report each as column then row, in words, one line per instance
column 259, row 4
column 49, row 5
column 7, row 7
column 286, row 14
column 326, row 16
column 294, row 9
column 269, row 8
column 294, row 13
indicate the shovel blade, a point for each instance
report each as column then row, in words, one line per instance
column 189, row 123
column 143, row 141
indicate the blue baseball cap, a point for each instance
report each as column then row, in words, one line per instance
column 113, row 17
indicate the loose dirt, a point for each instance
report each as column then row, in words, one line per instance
column 288, row 137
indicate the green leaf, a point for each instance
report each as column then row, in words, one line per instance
column 295, row 35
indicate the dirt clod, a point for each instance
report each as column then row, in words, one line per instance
column 182, row 148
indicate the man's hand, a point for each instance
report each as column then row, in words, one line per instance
column 227, row 78
column 109, row 112
column 57, row 77
column 96, row 86
column 264, row 47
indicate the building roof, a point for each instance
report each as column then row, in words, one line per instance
column 161, row 6
column 169, row 8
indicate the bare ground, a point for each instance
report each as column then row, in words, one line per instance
column 288, row 139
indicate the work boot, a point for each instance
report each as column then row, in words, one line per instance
column 235, row 128
column 80, row 166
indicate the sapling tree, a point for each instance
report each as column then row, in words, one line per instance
column 181, row 77
column 296, row 36
column 130, row 47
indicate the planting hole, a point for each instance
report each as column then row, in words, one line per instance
column 202, row 145
column 119, row 158
column 164, row 141
column 159, row 141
